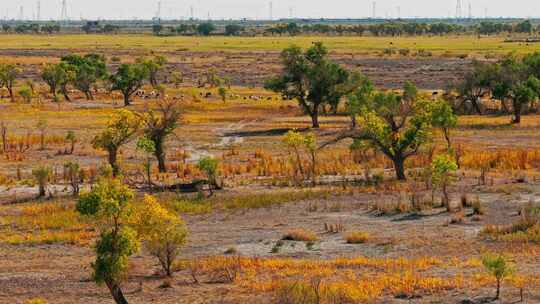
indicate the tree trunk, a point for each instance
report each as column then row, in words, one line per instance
column 315, row 118
column 160, row 155
column 42, row 141
column 334, row 108
column 89, row 95
column 399, row 166
column 116, row 293
column 476, row 106
column 497, row 296
column 11, row 95
column 53, row 91
column 517, row 113
column 313, row 169
column 168, row 261
column 65, row 93
column 112, row 161
column 4, row 137
column 446, row 197
column 42, row 190
column 446, row 132
column 504, row 106
column 127, row 100
column 149, row 171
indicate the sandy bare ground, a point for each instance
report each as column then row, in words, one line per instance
column 61, row 273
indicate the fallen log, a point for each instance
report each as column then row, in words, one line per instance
column 198, row 186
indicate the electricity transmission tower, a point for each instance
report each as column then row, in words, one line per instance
column 64, row 14
column 458, row 9
column 374, row 8
column 158, row 11
column 38, row 14
column 271, row 11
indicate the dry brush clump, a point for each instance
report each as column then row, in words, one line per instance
column 47, row 223
column 347, row 280
column 357, row 237
column 340, row 280
column 526, row 229
column 36, row 301
column 300, row 235
column 501, row 159
column 398, row 204
column 186, row 205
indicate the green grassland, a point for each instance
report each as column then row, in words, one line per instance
column 437, row 45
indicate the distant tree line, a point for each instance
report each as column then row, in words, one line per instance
column 96, row 27
column 393, row 29
column 404, row 28
column 202, row 29
column 31, row 28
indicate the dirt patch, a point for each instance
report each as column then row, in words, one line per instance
column 252, row 69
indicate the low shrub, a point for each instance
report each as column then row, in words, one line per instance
column 297, row 293
column 478, row 208
column 300, row 235
column 231, row 250
column 404, row 52
column 357, row 237
column 457, row 218
column 36, row 301
column 526, row 229
column 196, row 206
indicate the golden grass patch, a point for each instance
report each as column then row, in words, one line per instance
column 300, row 235
column 46, row 223
column 357, row 237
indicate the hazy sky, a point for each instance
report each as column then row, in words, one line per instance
column 259, row 9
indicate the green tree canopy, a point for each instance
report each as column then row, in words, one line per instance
column 119, row 131
column 8, row 77
column 110, row 204
column 153, row 66
column 205, row 29
column 128, row 79
column 514, row 82
column 310, row 78
column 88, row 69
column 396, row 124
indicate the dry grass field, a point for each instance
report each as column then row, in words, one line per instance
column 267, row 237
column 468, row 44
